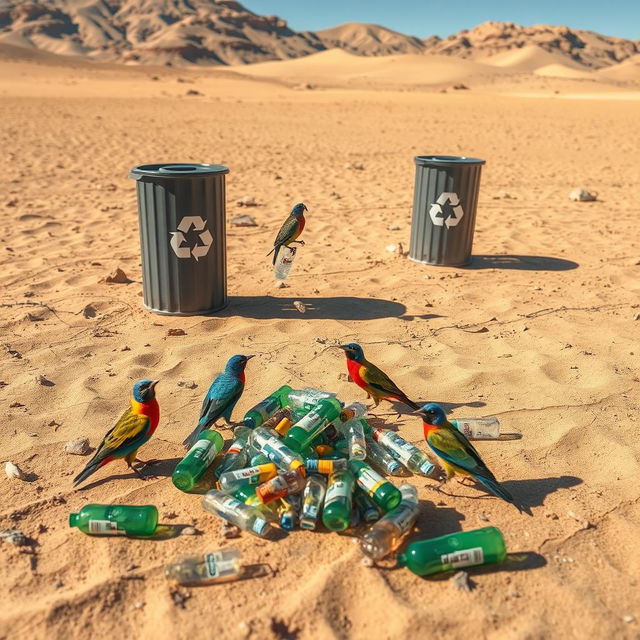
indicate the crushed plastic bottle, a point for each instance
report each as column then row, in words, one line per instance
column 281, row 486
column 206, row 568
column 197, row 460
column 232, row 510
column 454, row 551
column 267, row 407
column 305, row 430
column 284, row 262
column 338, row 501
column 382, row 492
column 269, row 444
column 382, row 460
column 478, row 428
column 407, row 453
column 231, row 481
column 387, row 533
column 312, row 499
column 308, row 398
column 115, row 520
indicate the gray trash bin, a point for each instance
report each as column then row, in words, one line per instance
column 444, row 209
column 181, row 210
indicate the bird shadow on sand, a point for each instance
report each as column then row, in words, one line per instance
column 331, row 308
column 160, row 469
column 522, row 263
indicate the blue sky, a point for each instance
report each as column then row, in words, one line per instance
column 423, row 18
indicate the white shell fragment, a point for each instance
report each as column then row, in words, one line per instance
column 13, row 471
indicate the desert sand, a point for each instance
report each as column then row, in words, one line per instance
column 542, row 331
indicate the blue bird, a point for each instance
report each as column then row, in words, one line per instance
column 223, row 394
column 456, row 454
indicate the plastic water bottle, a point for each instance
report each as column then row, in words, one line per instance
column 198, row 459
column 353, row 431
column 231, row 481
column 308, row 398
column 381, row 491
column 478, row 428
column 115, row 520
column 281, row 486
column 267, row 407
column 205, row 568
column 319, row 418
column 410, row 456
column 236, row 456
column 232, row 510
column 380, row 458
column 284, row 262
column 325, row 467
column 312, row 499
column 268, row 442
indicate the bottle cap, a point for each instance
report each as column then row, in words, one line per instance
column 73, row 519
column 298, row 466
column 260, row 526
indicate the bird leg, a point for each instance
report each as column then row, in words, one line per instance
column 139, row 473
column 301, row 242
column 146, row 463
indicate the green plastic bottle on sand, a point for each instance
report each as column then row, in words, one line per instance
column 310, row 426
column 198, row 459
column 115, row 520
column 454, row 551
column 338, row 501
column 382, row 492
column 267, row 407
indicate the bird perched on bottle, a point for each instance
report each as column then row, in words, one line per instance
column 223, row 394
column 456, row 454
column 136, row 425
column 375, row 382
column 290, row 230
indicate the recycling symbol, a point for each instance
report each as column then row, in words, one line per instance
column 178, row 239
column 446, row 210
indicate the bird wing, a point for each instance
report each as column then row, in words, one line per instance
column 127, row 435
column 224, row 390
column 379, row 380
column 461, row 453
column 287, row 231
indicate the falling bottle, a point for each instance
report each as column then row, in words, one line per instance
column 284, row 262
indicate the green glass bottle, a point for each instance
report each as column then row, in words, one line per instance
column 310, row 426
column 383, row 492
column 454, row 551
column 338, row 501
column 115, row 520
column 265, row 409
column 198, row 459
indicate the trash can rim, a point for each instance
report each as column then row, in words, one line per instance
column 442, row 161
column 177, row 170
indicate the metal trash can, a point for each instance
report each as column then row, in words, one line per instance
column 444, row 209
column 181, row 211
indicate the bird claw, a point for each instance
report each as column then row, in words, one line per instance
column 147, row 463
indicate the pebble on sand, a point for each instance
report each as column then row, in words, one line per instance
column 187, row 384
column 14, row 537
column 461, row 581
column 117, row 277
column 247, row 201
column 77, row 447
column 176, row 332
column 13, row 471
column 583, row 195
column 243, row 221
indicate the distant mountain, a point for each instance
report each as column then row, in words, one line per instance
column 223, row 32
column 369, row 40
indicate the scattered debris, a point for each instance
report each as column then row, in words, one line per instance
column 14, row 471
column 155, row 78
column 190, row 531
column 583, row 195
column 171, row 515
column 636, row 316
column 14, row 537
column 503, row 195
column 193, row 92
column 11, row 203
column 282, row 285
column 33, row 318
column 247, row 201
column 117, row 277
column 16, row 405
column 176, row 332
column 180, row 596
column 28, row 294
column 187, row 384
column 628, row 619
column 45, row 382
column 89, row 311
column 513, row 592
column 229, row 530
column 394, row 227
column 357, row 166
column 14, row 354
column 243, row 221
column 460, row 87
column 300, row 306
column 344, row 377
column 305, row 86
column 585, row 524
column 366, row 561
column 391, row 248
column 461, row 581
column 139, row 605
column 484, row 517
column 77, row 447
column 58, row 584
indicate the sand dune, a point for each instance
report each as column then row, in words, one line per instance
column 563, row 71
column 527, row 58
column 541, row 331
column 627, row 71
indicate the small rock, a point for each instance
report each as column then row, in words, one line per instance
column 14, row 354
column 391, row 248
column 193, row 92
column 139, row 605
column 366, row 561
column 117, row 277
column 636, row 316
column 58, row 584
column 180, row 597
column 344, row 377
column 77, row 447
column 243, row 221
column 305, row 86
column 247, row 201
column 628, row 619
column 583, row 195
column 460, row 87
column 229, row 530
column 461, row 581
column 14, row 537
column 189, row 531
column 176, row 332
column 187, row 384
column 15, row 405
column 513, row 592
column 171, row 515
column 282, row 285
column 44, row 381
column 13, row 471
column 503, row 195
column 585, row 524
column 484, row 517
column 33, row 318
column 551, row 515
column 89, row 311
column 300, row 306
column 357, row 166
column 394, row 227
column 11, row 203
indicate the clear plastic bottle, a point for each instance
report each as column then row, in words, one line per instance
column 382, row 460
column 197, row 460
column 410, row 456
column 454, row 551
column 231, row 481
column 312, row 499
column 284, row 262
column 247, row 494
column 354, row 433
column 288, row 515
column 236, row 456
column 267, row 407
column 381, row 491
column 308, row 398
column 281, row 486
column 338, row 501
column 353, row 410
column 267, row 442
column 478, row 428
column 236, row 512
column 386, row 534
column 207, row 568
column 319, row 418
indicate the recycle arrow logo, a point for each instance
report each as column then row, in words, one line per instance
column 178, row 239
column 454, row 212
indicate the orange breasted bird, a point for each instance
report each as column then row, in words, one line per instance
column 375, row 382
column 222, row 397
column 290, row 230
column 456, row 454
column 136, row 425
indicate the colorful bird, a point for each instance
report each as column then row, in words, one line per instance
column 136, row 425
column 290, row 230
column 456, row 454
column 223, row 394
column 376, row 383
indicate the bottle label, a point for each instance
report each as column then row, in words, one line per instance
column 212, row 561
column 464, row 558
column 105, row 527
column 249, row 472
column 310, row 422
column 310, row 511
column 370, row 481
column 203, row 452
column 336, row 491
column 398, row 446
column 465, row 428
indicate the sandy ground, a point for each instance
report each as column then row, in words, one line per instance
column 541, row 331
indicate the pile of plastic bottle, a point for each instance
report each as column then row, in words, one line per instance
column 302, row 458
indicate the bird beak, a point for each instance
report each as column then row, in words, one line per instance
column 341, row 346
column 249, row 357
column 417, row 412
column 153, row 384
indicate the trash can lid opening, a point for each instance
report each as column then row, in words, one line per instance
column 176, row 169
column 447, row 160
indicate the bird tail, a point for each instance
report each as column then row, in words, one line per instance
column 92, row 467
column 192, row 438
column 275, row 252
column 493, row 486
